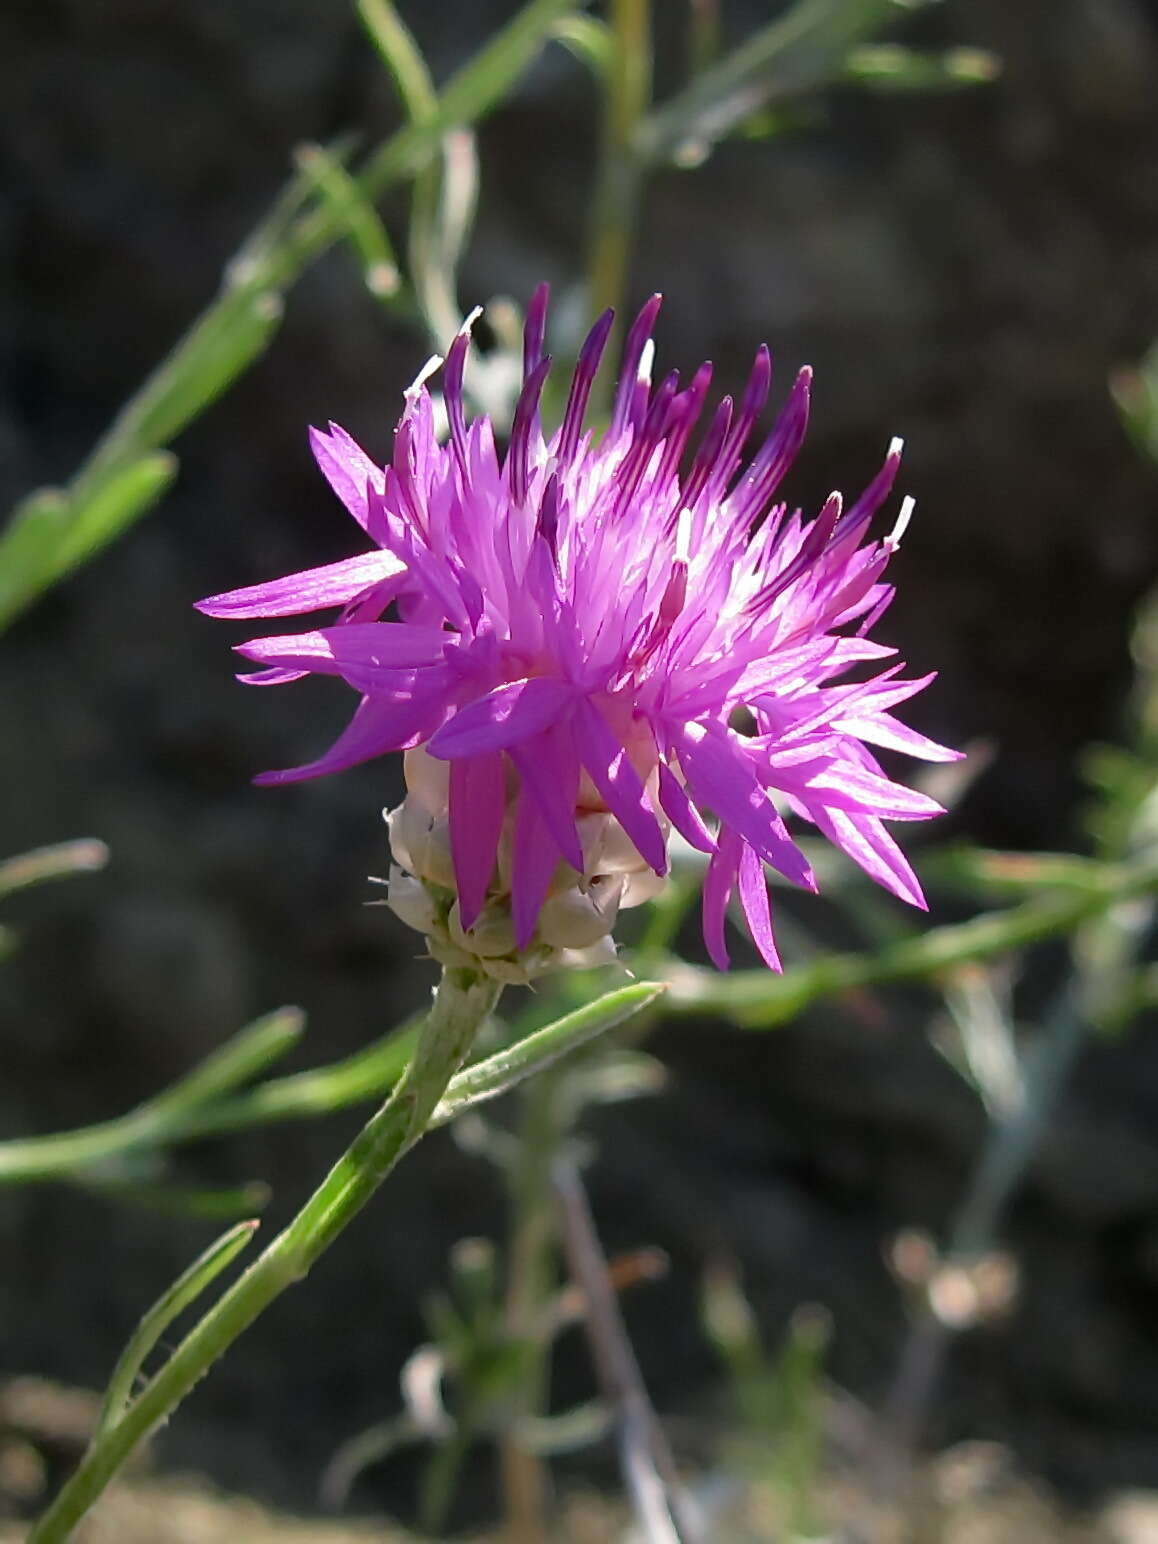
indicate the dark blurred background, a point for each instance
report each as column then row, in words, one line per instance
column 964, row 270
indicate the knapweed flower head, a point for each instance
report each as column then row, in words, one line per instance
column 585, row 642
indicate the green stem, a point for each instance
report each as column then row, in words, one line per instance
column 187, row 1110
column 462, row 1002
column 440, row 1475
column 803, row 49
column 756, row 999
column 530, row 1282
column 617, row 183
column 54, row 530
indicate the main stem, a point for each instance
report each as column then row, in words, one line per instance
column 461, row 1003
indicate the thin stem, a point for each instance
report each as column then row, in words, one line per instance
column 54, row 530
column 1008, row 1151
column 440, row 1475
column 462, row 1002
column 530, row 1281
column 618, row 178
column 802, row 49
column 191, row 1109
column 662, row 1510
column 757, row 999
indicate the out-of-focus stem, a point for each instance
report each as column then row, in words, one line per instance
column 237, row 326
column 461, row 1004
column 757, row 999
column 1008, row 1152
column 663, row 1511
column 1104, row 950
column 530, row 1281
column 440, row 1476
column 618, row 179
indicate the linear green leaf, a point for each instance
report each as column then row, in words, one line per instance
column 227, row 338
column 238, row 325
column 97, row 517
column 507, row 1068
column 184, row 1291
column 799, row 51
column 462, row 1003
column 401, row 55
column 249, row 1052
column 364, row 226
column 888, row 67
column 588, row 40
column 27, row 545
column 209, row 1203
column 168, row 1117
column 365, row 1075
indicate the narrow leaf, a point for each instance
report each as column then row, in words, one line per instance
column 95, row 518
column 241, row 1058
column 353, row 210
column 487, row 1079
column 801, row 50
column 184, row 1291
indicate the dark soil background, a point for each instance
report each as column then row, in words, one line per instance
column 964, row 270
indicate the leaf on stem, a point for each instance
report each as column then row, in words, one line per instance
column 506, row 1069
column 55, row 529
column 184, row 1291
column 175, row 1114
column 803, row 49
column 757, row 999
column 241, row 1058
column 211, row 1204
column 361, row 221
column 890, row 67
column 588, row 40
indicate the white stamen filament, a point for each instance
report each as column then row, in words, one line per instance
column 893, row 539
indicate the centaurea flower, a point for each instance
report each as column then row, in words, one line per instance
column 585, row 642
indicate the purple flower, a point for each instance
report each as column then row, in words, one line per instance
column 615, row 625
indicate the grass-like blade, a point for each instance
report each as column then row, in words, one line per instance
column 185, row 1290
column 507, row 1068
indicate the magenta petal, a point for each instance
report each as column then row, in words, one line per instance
column 503, row 717
column 534, row 864
column 682, row 812
column 843, row 786
column 271, row 677
column 718, row 885
column 754, row 899
column 292, row 651
column 478, row 797
column 332, row 585
column 348, row 470
column 869, row 845
column 618, row 782
column 549, row 769
column 885, row 730
column 365, row 650
column 721, row 777
column 376, row 728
